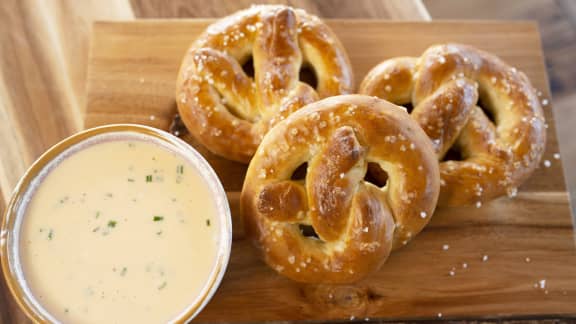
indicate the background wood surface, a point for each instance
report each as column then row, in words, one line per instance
column 131, row 79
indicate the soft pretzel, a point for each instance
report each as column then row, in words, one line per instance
column 356, row 222
column 445, row 86
column 227, row 110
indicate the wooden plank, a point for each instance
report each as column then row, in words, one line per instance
column 382, row 9
column 131, row 78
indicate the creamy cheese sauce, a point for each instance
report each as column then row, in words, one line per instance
column 119, row 232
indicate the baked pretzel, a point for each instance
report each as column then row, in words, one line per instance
column 229, row 111
column 445, row 86
column 354, row 223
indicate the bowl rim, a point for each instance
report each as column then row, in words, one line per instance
column 27, row 303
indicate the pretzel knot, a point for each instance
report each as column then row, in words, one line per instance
column 333, row 225
column 228, row 110
column 500, row 144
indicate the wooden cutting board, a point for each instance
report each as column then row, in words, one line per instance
column 512, row 257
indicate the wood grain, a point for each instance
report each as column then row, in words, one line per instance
column 382, row 9
column 131, row 78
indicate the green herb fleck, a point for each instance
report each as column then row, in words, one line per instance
column 130, row 180
column 41, row 230
column 50, row 234
column 162, row 286
column 149, row 178
column 158, row 218
column 180, row 169
column 96, row 229
column 97, row 214
column 66, row 310
column 159, row 233
column 123, row 272
column 112, row 224
column 207, row 222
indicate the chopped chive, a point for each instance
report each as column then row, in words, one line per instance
column 123, row 272
column 130, row 180
column 180, row 169
column 96, row 229
column 207, row 222
column 162, row 286
column 112, row 224
column 158, row 218
column 159, row 233
column 131, row 144
column 97, row 214
column 149, row 178
column 50, row 234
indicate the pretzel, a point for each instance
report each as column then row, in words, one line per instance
column 355, row 223
column 445, row 86
column 227, row 110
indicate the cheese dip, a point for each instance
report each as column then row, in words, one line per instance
column 121, row 229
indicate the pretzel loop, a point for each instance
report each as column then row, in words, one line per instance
column 445, row 86
column 218, row 100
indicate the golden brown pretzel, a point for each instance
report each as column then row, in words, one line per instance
column 445, row 86
column 357, row 223
column 228, row 111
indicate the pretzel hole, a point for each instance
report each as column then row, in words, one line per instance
column 248, row 66
column 308, row 231
column 308, row 75
column 300, row 172
column 453, row 154
column 409, row 107
column 376, row 175
column 486, row 109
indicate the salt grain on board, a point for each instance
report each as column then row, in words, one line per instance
column 484, row 258
column 542, row 284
